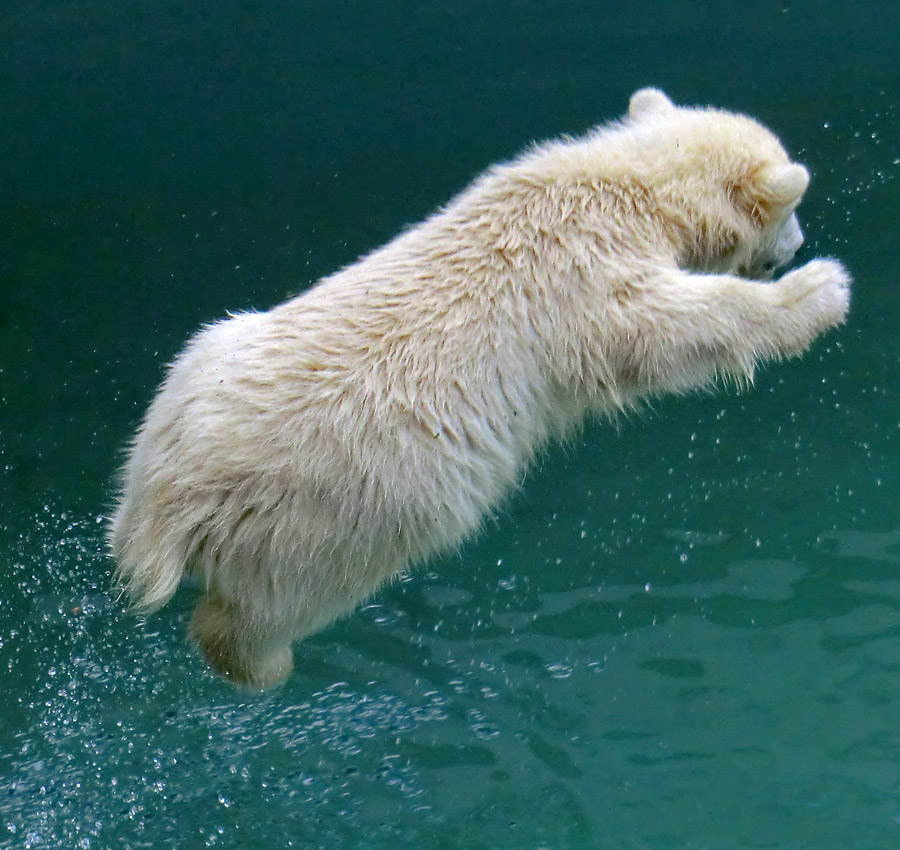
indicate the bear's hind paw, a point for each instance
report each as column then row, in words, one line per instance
column 236, row 649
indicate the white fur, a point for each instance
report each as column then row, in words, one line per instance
column 298, row 458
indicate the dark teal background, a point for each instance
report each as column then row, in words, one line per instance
column 684, row 632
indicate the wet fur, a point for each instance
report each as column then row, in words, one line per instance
column 296, row 459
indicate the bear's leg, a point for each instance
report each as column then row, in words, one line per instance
column 248, row 652
column 683, row 328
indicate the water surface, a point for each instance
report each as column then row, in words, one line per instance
column 684, row 631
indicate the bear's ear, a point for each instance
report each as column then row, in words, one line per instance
column 649, row 102
column 783, row 185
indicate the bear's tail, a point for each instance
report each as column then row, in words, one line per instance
column 150, row 561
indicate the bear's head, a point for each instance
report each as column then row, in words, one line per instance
column 725, row 186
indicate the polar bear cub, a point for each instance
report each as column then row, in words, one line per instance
column 296, row 459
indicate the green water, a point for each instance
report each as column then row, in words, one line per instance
column 684, row 632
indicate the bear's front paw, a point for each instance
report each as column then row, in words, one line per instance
column 820, row 291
